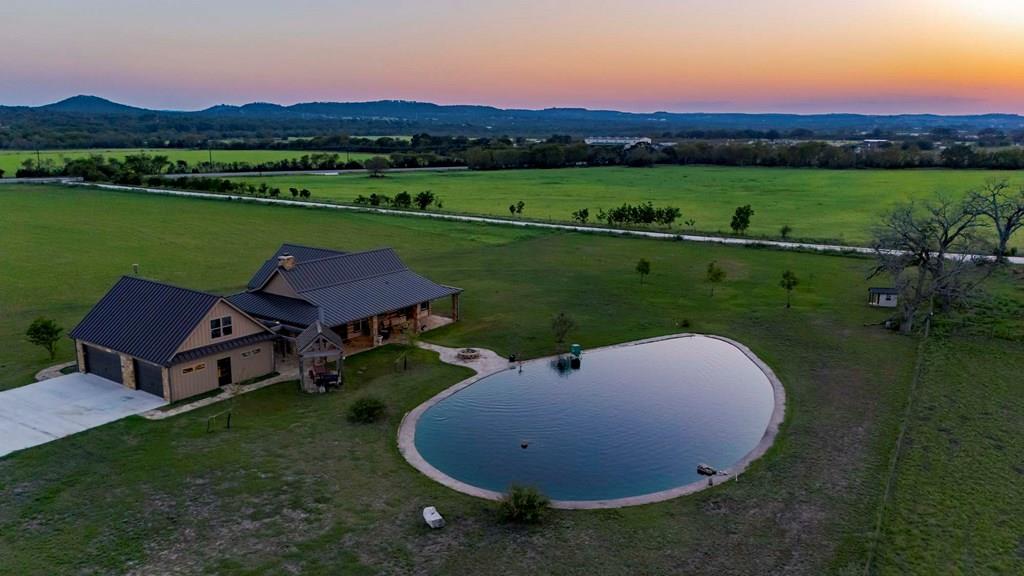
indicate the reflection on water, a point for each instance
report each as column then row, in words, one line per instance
column 631, row 420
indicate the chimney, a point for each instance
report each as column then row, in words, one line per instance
column 286, row 261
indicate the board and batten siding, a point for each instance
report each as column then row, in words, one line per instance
column 278, row 285
column 241, row 326
column 245, row 365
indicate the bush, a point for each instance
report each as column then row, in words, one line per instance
column 366, row 410
column 523, row 504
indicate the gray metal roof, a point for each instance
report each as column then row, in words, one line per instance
column 883, row 291
column 301, row 254
column 345, row 287
column 314, row 330
column 197, row 353
column 144, row 318
column 375, row 295
column 274, row 307
column 322, row 272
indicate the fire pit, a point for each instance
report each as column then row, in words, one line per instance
column 468, row 354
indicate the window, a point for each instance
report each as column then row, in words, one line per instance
column 252, row 352
column 424, row 305
column 187, row 370
column 191, row 369
column 220, row 327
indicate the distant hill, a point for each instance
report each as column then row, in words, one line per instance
column 91, row 105
column 93, row 121
column 575, row 119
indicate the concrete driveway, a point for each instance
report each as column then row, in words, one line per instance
column 58, row 407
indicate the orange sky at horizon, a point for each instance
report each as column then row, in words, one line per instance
column 946, row 56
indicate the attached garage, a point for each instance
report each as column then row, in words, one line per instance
column 102, row 363
column 171, row 342
column 149, row 378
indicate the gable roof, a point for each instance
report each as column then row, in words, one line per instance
column 280, row 308
column 341, row 287
column 301, row 254
column 144, row 318
column 883, row 291
column 314, row 330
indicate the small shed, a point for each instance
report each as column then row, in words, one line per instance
column 321, row 357
column 883, row 297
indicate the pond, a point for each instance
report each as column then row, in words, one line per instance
column 632, row 420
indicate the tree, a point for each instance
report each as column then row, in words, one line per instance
column 512, row 209
column 788, row 282
column 741, row 219
column 305, row 193
column 1, row 172
column 424, row 199
column 519, row 207
column 1004, row 208
column 46, row 333
column 785, row 231
column 376, row 166
column 294, row 191
column 581, row 215
column 402, row 200
column 561, row 325
column 929, row 252
column 714, row 275
column 643, row 268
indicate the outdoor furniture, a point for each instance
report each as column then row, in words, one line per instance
column 432, row 517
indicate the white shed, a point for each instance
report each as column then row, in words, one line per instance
column 883, row 297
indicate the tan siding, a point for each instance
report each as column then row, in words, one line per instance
column 242, row 369
column 240, row 326
column 278, row 285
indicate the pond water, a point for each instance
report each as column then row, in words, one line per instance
column 631, row 420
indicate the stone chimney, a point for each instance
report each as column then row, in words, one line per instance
column 286, row 261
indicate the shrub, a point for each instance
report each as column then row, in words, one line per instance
column 366, row 410
column 523, row 504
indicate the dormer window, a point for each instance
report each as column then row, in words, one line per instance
column 220, row 327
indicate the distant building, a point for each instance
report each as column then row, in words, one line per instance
column 624, row 141
column 883, row 297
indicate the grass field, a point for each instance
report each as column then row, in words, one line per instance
column 295, row 488
column 11, row 160
column 839, row 205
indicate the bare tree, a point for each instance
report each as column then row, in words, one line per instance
column 928, row 250
column 1003, row 207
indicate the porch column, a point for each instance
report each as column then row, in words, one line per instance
column 455, row 307
column 373, row 329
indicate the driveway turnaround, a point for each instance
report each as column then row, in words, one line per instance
column 51, row 409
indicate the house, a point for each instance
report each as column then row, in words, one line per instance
column 169, row 341
column 307, row 304
column 883, row 297
column 364, row 297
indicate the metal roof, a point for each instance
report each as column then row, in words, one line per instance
column 883, row 291
column 144, row 318
column 274, row 307
column 322, row 272
column 375, row 295
column 197, row 353
column 344, row 286
column 301, row 254
column 312, row 332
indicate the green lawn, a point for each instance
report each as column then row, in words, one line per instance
column 839, row 205
column 11, row 160
column 958, row 500
column 295, row 488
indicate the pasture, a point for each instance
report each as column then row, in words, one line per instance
column 295, row 488
column 820, row 205
column 11, row 160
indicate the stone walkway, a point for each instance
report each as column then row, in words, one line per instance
column 53, row 371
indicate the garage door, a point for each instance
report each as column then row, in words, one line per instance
column 103, row 363
column 149, row 378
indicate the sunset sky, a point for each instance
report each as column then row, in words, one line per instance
column 875, row 56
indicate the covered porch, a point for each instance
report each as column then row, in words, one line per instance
column 394, row 326
column 320, row 355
